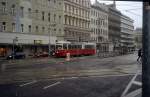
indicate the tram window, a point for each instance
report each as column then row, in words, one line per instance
column 89, row 46
column 69, row 46
column 58, row 47
column 73, row 46
column 64, row 46
column 80, row 46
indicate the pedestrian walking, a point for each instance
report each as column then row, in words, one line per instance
column 139, row 54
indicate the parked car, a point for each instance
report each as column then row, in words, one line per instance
column 40, row 54
column 19, row 55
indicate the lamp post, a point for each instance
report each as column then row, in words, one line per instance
column 14, row 42
column 49, row 44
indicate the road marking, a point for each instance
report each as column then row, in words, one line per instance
column 71, row 78
column 117, row 75
column 137, row 83
column 51, row 85
column 129, row 85
column 29, row 83
column 76, row 77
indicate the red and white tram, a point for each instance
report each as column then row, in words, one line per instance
column 75, row 49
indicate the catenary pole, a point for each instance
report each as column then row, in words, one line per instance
column 146, row 50
column 49, row 45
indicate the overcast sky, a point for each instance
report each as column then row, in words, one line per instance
column 131, row 9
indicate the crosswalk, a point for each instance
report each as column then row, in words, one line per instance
column 133, row 82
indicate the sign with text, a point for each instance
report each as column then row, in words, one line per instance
column 37, row 41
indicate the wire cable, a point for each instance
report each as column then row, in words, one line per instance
column 133, row 13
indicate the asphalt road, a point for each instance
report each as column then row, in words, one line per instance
column 81, row 77
column 106, row 86
column 79, row 66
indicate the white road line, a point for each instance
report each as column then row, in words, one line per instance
column 71, row 78
column 137, row 83
column 29, row 83
column 74, row 77
column 129, row 85
column 98, row 76
column 115, row 75
column 51, row 85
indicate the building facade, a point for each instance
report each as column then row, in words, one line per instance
column 99, row 26
column 77, row 20
column 114, row 27
column 127, row 37
column 47, row 17
column 138, row 37
column 31, row 17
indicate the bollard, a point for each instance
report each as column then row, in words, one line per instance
column 3, row 67
column 67, row 56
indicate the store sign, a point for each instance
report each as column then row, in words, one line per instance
column 37, row 41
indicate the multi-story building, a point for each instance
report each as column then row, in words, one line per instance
column 30, row 18
column 138, row 37
column 47, row 17
column 77, row 20
column 127, row 38
column 99, row 26
column 114, row 26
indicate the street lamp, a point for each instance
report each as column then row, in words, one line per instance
column 49, row 45
column 14, row 42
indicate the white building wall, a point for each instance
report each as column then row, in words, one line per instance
column 25, row 38
column 25, row 20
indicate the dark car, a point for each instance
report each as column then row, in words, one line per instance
column 16, row 56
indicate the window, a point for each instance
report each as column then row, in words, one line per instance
column 49, row 17
column 59, row 31
column 29, row 12
column 13, row 27
column 3, row 7
column 29, row 27
column 73, row 21
column 59, row 19
column 73, row 9
column 54, row 17
column 22, row 27
column 54, row 1
column 37, row 29
column 76, row 22
column 13, row 10
column 77, row 11
column 65, row 20
column 36, row 14
column 49, row 2
column 69, row 21
column 22, row 11
column 66, row 8
column 3, row 26
column 59, row 3
column 43, row 15
column 43, row 29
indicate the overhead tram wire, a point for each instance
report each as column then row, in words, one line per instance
column 131, row 9
column 134, row 13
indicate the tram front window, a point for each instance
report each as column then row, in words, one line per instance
column 59, row 47
column 64, row 46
